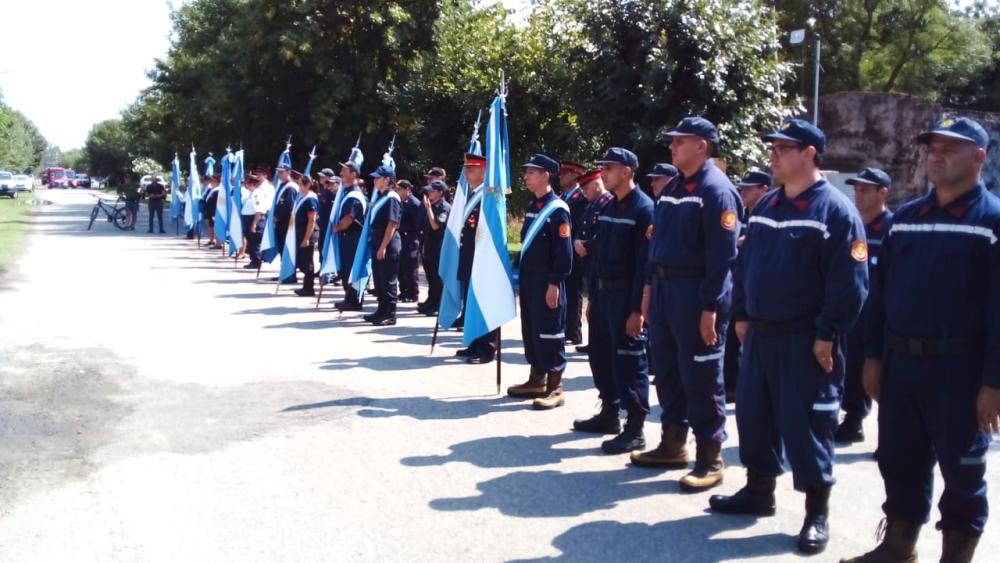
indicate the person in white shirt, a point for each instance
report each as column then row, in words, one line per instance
column 261, row 198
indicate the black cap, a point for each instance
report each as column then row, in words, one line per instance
column 543, row 162
column 405, row 184
column 435, row 172
column 800, row 131
column 958, row 128
column 618, row 155
column 438, row 185
column 696, row 127
column 663, row 170
column 756, row 178
column 353, row 166
column 872, row 175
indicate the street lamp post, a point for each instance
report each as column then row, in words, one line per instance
column 798, row 36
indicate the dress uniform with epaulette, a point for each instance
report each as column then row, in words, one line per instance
column 431, row 242
column 545, row 262
column 483, row 349
column 573, row 197
column 353, row 205
column 800, row 281
column 935, row 325
column 691, row 255
column 385, row 216
column 411, row 216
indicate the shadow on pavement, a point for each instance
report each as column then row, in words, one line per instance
column 508, row 451
column 421, row 408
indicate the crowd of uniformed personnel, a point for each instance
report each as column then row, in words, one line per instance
column 775, row 292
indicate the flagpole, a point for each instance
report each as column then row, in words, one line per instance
column 319, row 295
column 437, row 323
column 499, row 342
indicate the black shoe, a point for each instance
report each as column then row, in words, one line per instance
column 272, row 279
column 303, row 292
column 815, row 533
column 344, row 307
column 162, row 232
column 374, row 315
column 459, row 323
column 251, row 266
column 755, row 499
column 604, row 422
column 290, row 280
column 483, row 358
column 630, row 439
column 850, row 431
column 149, row 231
column 422, row 307
column 585, row 349
column 465, row 353
column 573, row 341
column 388, row 318
column 430, row 312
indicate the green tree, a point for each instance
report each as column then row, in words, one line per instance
column 107, row 149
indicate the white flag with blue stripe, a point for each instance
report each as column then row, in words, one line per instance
column 491, row 289
column 222, row 201
column 192, row 211
column 331, row 250
column 236, row 204
column 451, row 295
column 175, row 188
column 269, row 246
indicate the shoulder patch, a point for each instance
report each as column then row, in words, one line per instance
column 859, row 251
column 729, row 220
column 649, row 232
column 564, row 230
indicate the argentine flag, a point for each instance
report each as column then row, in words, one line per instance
column 175, row 188
column 192, row 211
column 290, row 249
column 451, row 295
column 331, row 250
column 269, row 248
column 491, row 291
column 236, row 204
column 222, row 203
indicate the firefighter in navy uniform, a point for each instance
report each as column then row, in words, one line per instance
column 572, row 195
column 871, row 192
column 385, row 244
column 598, row 199
column 411, row 217
column 617, row 336
column 483, row 349
column 800, row 281
column 933, row 349
column 348, row 232
column 659, row 178
column 689, row 283
column 433, row 224
column 546, row 261
column 752, row 186
column 287, row 194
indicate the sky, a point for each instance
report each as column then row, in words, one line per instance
column 68, row 64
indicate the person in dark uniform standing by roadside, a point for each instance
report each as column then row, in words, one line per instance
column 348, row 231
column 209, row 203
column 871, row 193
column 800, row 281
column 287, row 192
column 597, row 200
column 752, row 186
column 617, row 334
column 483, row 349
column 384, row 243
column 306, row 213
column 433, row 223
column 933, row 349
column 156, row 192
column 570, row 192
column 546, row 260
column 329, row 183
column 691, row 255
column 411, row 217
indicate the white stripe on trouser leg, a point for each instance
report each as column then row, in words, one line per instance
column 709, row 357
column 831, row 406
column 552, row 336
column 981, row 460
column 624, row 352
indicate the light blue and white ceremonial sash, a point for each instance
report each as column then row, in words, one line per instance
column 569, row 195
column 236, row 205
column 272, row 249
column 361, row 270
column 538, row 221
column 470, row 205
column 331, row 250
column 490, row 302
column 290, row 248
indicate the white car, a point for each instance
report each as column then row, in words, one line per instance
column 23, row 183
column 7, row 184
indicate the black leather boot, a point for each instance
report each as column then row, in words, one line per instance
column 604, row 422
column 899, row 544
column 958, row 547
column 388, row 318
column 815, row 533
column 756, row 498
column 631, row 437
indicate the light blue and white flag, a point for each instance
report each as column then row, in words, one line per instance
column 290, row 249
column 451, row 296
column 209, row 166
column 236, row 204
column 331, row 250
column 222, row 200
column 192, row 211
column 269, row 248
column 175, row 188
column 491, row 289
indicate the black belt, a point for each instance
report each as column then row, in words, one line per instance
column 678, row 272
column 924, row 347
column 610, row 284
column 782, row 327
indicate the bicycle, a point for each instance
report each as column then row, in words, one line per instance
column 115, row 214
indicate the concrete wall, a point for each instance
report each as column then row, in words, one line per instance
column 875, row 129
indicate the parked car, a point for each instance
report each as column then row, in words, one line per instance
column 7, row 185
column 81, row 180
column 56, row 177
column 23, row 183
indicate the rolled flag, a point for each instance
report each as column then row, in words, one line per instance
column 192, row 210
column 269, row 249
column 451, row 296
column 331, row 251
column 222, row 201
column 309, row 165
column 175, row 188
column 236, row 204
column 209, row 166
column 361, row 270
column 290, row 249
column 491, row 289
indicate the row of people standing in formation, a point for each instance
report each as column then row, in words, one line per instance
column 705, row 284
column 777, row 285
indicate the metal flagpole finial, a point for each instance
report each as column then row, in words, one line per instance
column 502, row 92
column 358, row 142
column 288, row 143
column 392, row 143
column 312, row 153
column 475, row 127
column 229, row 149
